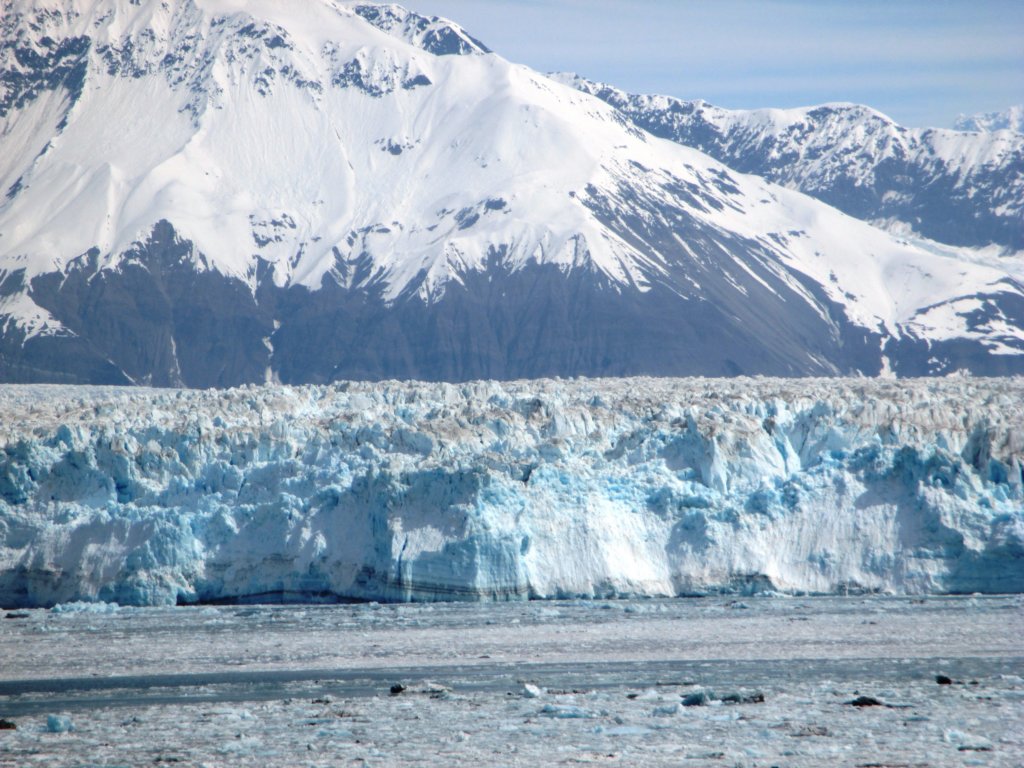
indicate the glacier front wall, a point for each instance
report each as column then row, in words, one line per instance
column 489, row 491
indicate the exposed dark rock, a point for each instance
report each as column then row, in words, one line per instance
column 743, row 698
column 58, row 65
column 866, row 701
column 431, row 33
column 164, row 318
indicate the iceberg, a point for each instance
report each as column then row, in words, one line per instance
column 405, row 491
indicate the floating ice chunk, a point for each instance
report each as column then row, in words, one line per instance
column 530, row 691
column 741, row 697
column 80, row 606
column 566, row 712
column 966, row 742
column 432, row 689
column 698, row 699
column 59, row 724
column 623, row 730
column 338, row 734
column 650, row 694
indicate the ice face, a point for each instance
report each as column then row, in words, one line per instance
column 497, row 491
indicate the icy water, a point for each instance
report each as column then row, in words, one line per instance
column 718, row 682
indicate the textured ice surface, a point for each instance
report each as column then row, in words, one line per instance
column 593, row 488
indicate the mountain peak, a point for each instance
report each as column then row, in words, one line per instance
column 326, row 190
column 433, row 34
column 1010, row 119
column 857, row 159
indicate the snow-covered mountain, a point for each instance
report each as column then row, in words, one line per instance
column 211, row 192
column 405, row 491
column 1011, row 119
column 958, row 187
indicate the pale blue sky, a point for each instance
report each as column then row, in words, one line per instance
column 920, row 61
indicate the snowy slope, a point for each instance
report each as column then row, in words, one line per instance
column 1011, row 119
column 205, row 191
column 490, row 491
column 960, row 187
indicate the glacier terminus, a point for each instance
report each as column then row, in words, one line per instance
column 507, row 491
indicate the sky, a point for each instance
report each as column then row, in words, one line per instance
column 922, row 62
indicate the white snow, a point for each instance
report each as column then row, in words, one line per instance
column 304, row 135
column 1010, row 119
column 825, row 148
column 18, row 310
column 830, row 143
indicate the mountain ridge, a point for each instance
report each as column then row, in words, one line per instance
column 957, row 187
column 209, row 193
column 1009, row 119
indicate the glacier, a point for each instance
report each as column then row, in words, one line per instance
column 515, row 490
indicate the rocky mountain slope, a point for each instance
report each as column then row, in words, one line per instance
column 214, row 192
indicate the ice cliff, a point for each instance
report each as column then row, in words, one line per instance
column 549, row 488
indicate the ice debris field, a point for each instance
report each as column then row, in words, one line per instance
column 740, row 682
column 504, row 491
